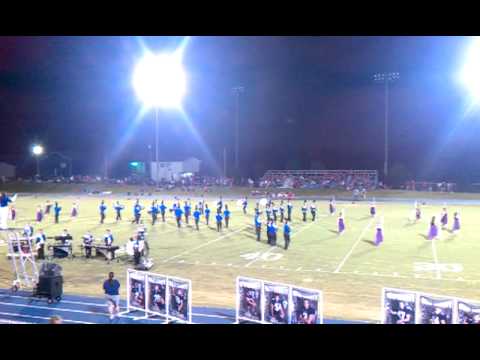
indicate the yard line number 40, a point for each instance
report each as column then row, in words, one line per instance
column 265, row 256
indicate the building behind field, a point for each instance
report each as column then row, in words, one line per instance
column 168, row 170
column 7, row 171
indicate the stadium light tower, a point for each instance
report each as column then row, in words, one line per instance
column 237, row 90
column 160, row 82
column 470, row 73
column 37, row 151
column 386, row 79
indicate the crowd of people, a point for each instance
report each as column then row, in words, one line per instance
column 347, row 180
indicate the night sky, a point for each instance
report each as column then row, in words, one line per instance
column 309, row 102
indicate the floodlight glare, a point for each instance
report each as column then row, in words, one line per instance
column 160, row 80
column 470, row 75
column 37, row 150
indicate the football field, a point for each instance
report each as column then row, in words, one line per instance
column 349, row 269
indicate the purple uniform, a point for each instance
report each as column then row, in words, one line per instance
column 39, row 215
column 456, row 223
column 341, row 225
column 74, row 212
column 14, row 214
column 372, row 210
column 444, row 219
column 433, row 233
column 331, row 208
column 378, row 236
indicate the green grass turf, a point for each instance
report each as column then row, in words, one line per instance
column 348, row 269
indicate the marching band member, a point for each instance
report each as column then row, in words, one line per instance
column 379, row 233
column 186, row 209
column 136, row 251
column 13, row 213
column 274, row 233
column 103, row 209
column 162, row 209
column 108, row 239
column 456, row 223
column 219, row 204
column 207, row 214
column 87, row 244
column 118, row 208
column 282, row 211
column 39, row 214
column 142, row 233
column 137, row 212
column 313, row 210
column 196, row 216
column 65, row 237
column 40, row 241
column 274, row 212
column 418, row 212
column 4, row 201
column 178, row 215
column 154, row 211
column 257, row 209
column 268, row 212
column 433, row 231
column 48, row 207
column 444, row 218
column 28, row 230
column 269, row 231
column 74, row 210
column 258, row 226
column 57, row 210
column 226, row 215
column 373, row 209
column 286, row 234
column 304, row 211
column 341, row 223
column 331, row 206
column 289, row 210
column 219, row 219
column 244, row 205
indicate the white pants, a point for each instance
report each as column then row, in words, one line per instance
column 3, row 217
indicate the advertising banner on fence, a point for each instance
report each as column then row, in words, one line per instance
column 306, row 306
column 399, row 306
column 157, row 294
column 137, row 290
column 249, row 294
column 179, row 291
column 468, row 312
column 435, row 310
column 276, row 305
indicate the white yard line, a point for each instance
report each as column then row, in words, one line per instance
column 337, row 270
column 435, row 258
column 205, row 244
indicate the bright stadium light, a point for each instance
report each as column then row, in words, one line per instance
column 37, row 150
column 160, row 81
column 470, row 74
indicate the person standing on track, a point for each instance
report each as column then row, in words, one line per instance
column 111, row 288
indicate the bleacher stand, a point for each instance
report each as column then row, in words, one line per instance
column 413, row 185
column 321, row 179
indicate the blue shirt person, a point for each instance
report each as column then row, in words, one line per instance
column 118, row 208
column 196, row 216
column 258, row 226
column 178, row 215
column 207, row 214
column 286, row 234
column 103, row 209
column 57, row 210
column 162, row 209
column 226, row 215
column 219, row 219
column 111, row 288
column 137, row 212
